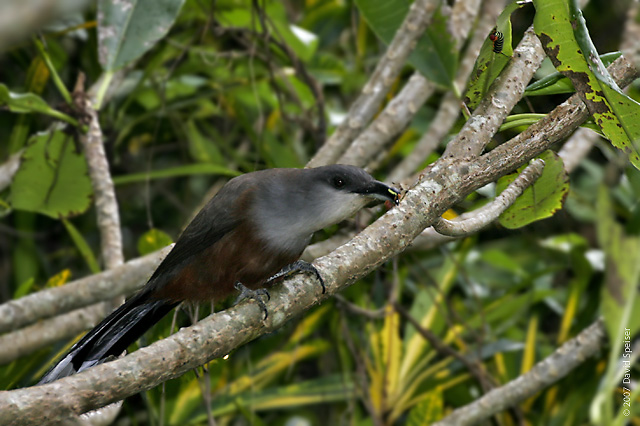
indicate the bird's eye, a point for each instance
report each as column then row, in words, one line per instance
column 338, row 182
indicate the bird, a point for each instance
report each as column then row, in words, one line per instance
column 252, row 232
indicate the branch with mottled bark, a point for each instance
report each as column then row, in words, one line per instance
column 106, row 285
column 450, row 105
column 490, row 212
column 548, row 371
column 502, row 96
column 373, row 93
column 41, row 334
column 403, row 107
column 631, row 36
column 103, row 190
column 393, row 119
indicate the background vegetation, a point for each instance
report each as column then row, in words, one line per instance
column 238, row 85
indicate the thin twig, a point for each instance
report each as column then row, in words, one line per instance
column 490, row 212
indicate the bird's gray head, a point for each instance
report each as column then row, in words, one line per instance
column 294, row 203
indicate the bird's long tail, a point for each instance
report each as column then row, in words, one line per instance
column 112, row 336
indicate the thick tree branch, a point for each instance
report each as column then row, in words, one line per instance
column 373, row 93
column 29, row 339
column 555, row 126
column 104, row 192
column 577, row 147
column 631, row 37
column 502, row 96
column 106, row 285
column 464, row 12
column 402, row 109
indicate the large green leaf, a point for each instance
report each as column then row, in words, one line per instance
column 434, row 56
column 52, row 178
column 129, row 28
column 540, row 200
column 563, row 32
column 490, row 64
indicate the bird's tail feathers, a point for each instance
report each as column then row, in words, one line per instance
column 112, row 336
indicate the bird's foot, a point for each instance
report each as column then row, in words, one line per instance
column 299, row 266
column 256, row 295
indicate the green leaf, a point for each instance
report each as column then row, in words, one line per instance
column 202, row 149
column 563, row 32
column 153, row 240
column 556, row 83
column 435, row 55
column 188, row 170
column 129, row 28
column 24, row 288
column 52, row 179
column 490, row 64
column 26, row 103
column 540, row 200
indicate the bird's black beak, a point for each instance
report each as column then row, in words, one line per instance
column 380, row 191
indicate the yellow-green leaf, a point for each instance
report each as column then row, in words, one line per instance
column 52, row 179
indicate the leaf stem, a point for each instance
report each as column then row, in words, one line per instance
column 54, row 74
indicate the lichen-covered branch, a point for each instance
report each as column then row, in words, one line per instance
column 450, row 105
column 31, row 338
column 79, row 293
column 373, row 93
column 104, row 192
column 393, row 119
column 490, row 212
column 502, row 96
